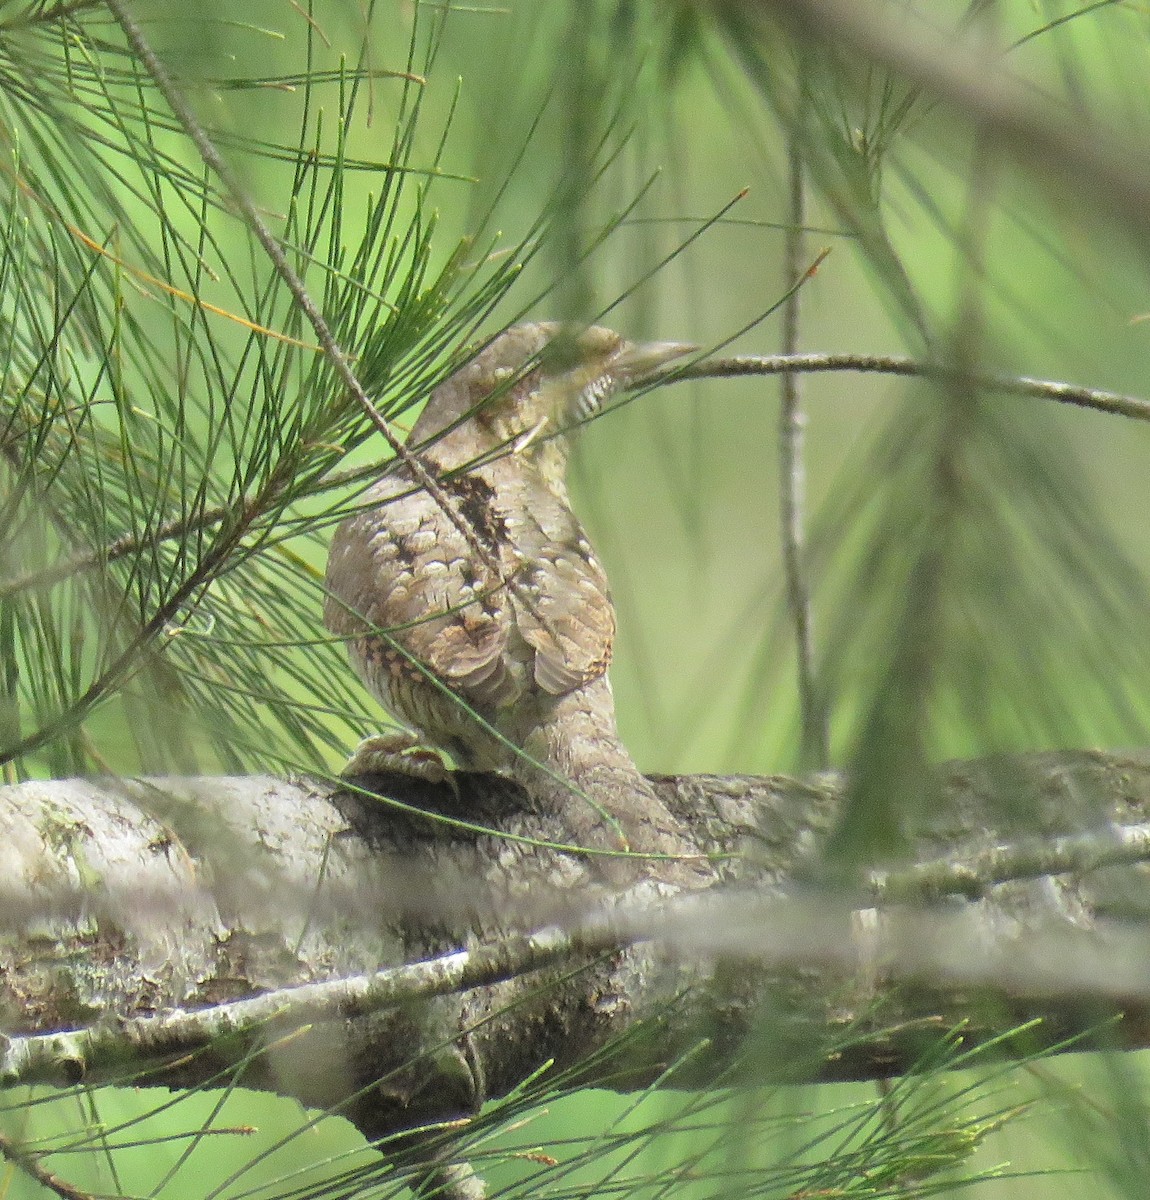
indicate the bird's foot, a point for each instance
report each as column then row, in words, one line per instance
column 398, row 753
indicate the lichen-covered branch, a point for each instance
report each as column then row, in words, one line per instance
column 377, row 955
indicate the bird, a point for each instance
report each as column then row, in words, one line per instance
column 493, row 646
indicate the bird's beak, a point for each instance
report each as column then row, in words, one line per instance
column 634, row 362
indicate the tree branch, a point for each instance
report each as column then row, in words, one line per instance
column 377, row 961
column 1114, row 403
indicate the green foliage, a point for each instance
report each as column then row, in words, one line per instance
column 169, row 428
column 173, row 447
column 910, row 1139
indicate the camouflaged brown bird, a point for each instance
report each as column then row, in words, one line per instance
column 454, row 649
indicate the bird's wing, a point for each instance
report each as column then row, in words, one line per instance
column 563, row 610
column 410, row 573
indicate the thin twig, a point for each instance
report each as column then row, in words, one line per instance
column 120, row 547
column 128, row 544
column 974, row 875
column 29, row 1057
column 29, row 1164
column 1115, row 403
column 792, row 473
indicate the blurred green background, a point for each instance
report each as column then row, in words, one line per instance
column 680, row 488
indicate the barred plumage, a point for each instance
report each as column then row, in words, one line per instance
column 442, row 639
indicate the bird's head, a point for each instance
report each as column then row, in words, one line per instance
column 532, row 384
